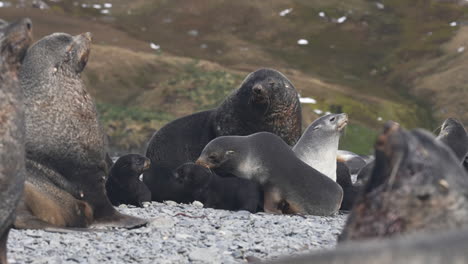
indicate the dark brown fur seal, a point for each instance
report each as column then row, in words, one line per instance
column 290, row 185
column 265, row 101
column 416, row 184
column 15, row 39
column 228, row 193
column 124, row 185
column 63, row 132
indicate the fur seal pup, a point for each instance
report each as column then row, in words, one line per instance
column 229, row 193
column 350, row 190
column 353, row 161
column 265, row 101
column 289, row 184
column 15, row 39
column 124, row 185
column 416, row 184
column 318, row 146
column 63, row 132
column 453, row 134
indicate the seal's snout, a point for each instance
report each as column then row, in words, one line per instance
column 258, row 89
column 147, row 164
column 88, row 36
column 203, row 163
column 342, row 121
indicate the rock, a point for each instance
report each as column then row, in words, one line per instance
column 161, row 222
column 205, row 255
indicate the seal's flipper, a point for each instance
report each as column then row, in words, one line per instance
column 3, row 243
column 272, row 199
column 120, row 220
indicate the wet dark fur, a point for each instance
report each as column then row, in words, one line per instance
column 123, row 184
column 265, row 101
column 229, row 193
column 416, row 184
column 14, row 41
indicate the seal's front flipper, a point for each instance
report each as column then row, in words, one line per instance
column 120, row 220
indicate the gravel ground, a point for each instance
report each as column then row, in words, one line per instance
column 181, row 233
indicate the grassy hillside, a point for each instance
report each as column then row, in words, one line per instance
column 373, row 61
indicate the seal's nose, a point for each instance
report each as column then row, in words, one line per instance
column 88, row 36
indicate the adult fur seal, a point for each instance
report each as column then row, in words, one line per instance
column 15, row 39
column 229, row 193
column 63, row 132
column 124, row 185
column 318, row 145
column 453, row 134
column 416, row 184
column 265, row 101
column 289, row 184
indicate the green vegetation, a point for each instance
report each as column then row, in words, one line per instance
column 129, row 128
column 204, row 88
column 358, row 139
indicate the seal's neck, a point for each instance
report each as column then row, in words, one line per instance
column 319, row 155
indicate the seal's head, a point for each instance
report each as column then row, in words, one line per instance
column 453, row 134
column 416, row 184
column 130, row 165
column 15, row 39
column 223, row 152
column 192, row 175
column 265, row 101
column 58, row 55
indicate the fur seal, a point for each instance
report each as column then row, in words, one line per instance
column 353, row 161
column 318, row 146
column 289, row 184
column 63, row 132
column 15, row 39
column 416, row 184
column 427, row 248
column 265, row 101
column 350, row 190
column 453, row 134
column 124, row 185
column 229, row 193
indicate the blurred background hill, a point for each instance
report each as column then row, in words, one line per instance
column 155, row 60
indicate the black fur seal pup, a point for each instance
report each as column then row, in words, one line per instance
column 350, row 190
column 318, row 146
column 63, row 132
column 290, row 185
column 229, row 193
column 124, row 185
column 416, row 184
column 265, row 101
column 453, row 134
column 15, row 39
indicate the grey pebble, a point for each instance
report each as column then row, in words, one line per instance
column 181, row 233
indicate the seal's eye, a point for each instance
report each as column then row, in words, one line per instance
column 332, row 119
column 213, row 158
column 229, row 152
column 316, row 127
